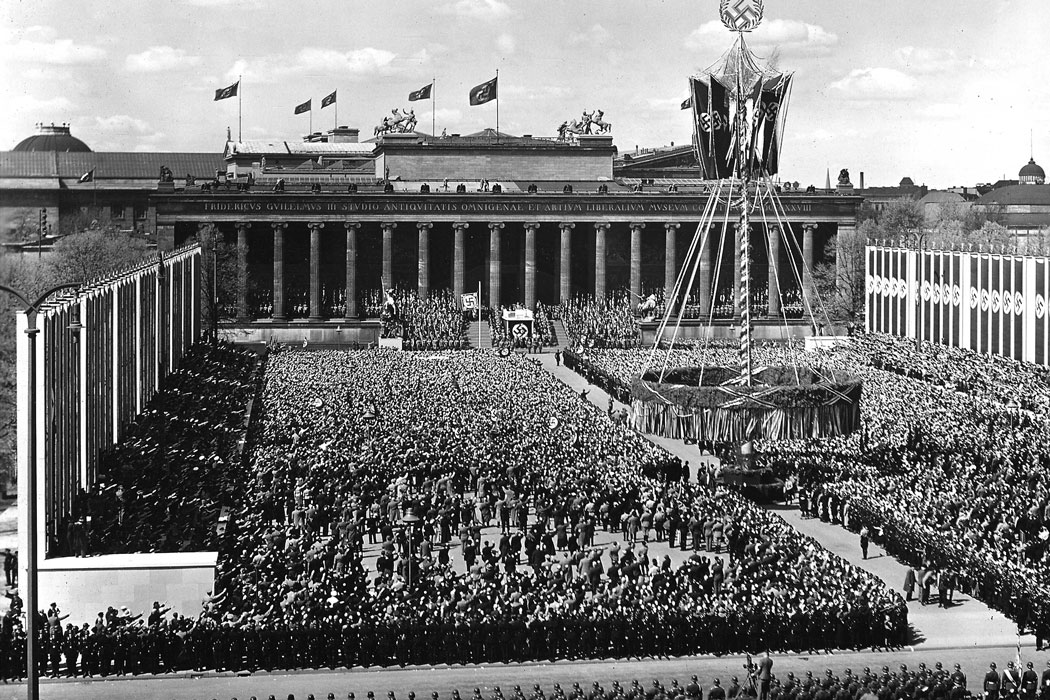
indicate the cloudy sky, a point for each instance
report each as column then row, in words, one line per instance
column 946, row 93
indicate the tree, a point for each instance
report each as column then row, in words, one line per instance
column 220, row 281
column 841, row 282
column 19, row 225
column 94, row 253
column 901, row 218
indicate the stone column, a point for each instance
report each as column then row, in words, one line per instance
column 599, row 258
column 773, row 306
column 704, row 291
column 350, row 313
column 495, row 267
column 459, row 259
column 388, row 254
column 530, row 264
column 636, row 261
column 242, row 270
column 565, row 266
column 423, row 278
column 670, row 262
column 315, row 269
column 808, row 229
column 278, row 271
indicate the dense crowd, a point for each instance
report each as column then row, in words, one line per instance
column 435, row 322
column 542, row 334
column 419, row 454
column 949, row 472
column 609, row 322
column 163, row 486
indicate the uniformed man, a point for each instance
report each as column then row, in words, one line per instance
column 717, row 692
column 692, row 689
column 991, row 683
column 1029, row 682
column 958, row 676
column 1010, row 685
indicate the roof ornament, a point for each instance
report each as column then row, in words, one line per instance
column 592, row 122
column 741, row 15
column 402, row 122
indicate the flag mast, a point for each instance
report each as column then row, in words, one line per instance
column 497, row 105
column 239, row 86
column 433, row 107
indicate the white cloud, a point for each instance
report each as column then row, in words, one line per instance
column 44, row 107
column 505, row 43
column 597, row 35
column 314, row 61
column 789, row 35
column 38, row 44
column 122, row 123
column 923, row 60
column 876, row 84
column 159, row 58
column 478, row 9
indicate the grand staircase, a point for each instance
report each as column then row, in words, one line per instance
column 486, row 335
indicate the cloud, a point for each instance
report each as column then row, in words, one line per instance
column 122, row 123
column 505, row 43
column 596, row 36
column 159, row 58
column 922, row 60
column 789, row 35
column 876, row 84
column 314, row 61
column 478, row 9
column 46, row 106
column 38, row 44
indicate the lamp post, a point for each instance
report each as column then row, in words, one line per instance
column 214, row 288
column 32, row 672
column 410, row 518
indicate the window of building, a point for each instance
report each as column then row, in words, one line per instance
column 140, row 213
column 116, row 212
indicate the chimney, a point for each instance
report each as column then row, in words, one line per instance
column 862, row 179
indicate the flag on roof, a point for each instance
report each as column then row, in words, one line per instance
column 223, row 93
column 422, row 93
column 328, row 99
column 687, row 103
column 89, row 176
column 486, row 92
column 304, row 107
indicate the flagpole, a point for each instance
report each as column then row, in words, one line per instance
column 433, row 108
column 336, row 104
column 479, row 314
column 311, row 121
column 239, row 90
column 497, row 105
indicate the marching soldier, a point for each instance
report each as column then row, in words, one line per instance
column 991, row 683
column 1029, row 683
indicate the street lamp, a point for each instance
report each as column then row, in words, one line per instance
column 32, row 672
column 215, row 288
column 410, row 518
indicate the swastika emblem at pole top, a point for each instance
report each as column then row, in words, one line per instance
column 741, row 15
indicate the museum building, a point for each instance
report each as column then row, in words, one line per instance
column 323, row 222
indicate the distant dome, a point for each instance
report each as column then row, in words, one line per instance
column 53, row 138
column 907, row 182
column 1031, row 174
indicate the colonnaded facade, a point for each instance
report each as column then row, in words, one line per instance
column 528, row 220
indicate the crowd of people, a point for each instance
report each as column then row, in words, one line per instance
column 435, row 322
column 163, row 486
column 948, row 472
column 608, row 322
column 421, row 455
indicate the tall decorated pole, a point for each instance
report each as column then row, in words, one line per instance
column 742, row 16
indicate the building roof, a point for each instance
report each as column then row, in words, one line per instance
column 107, row 166
column 54, row 139
column 1018, row 195
column 941, row 197
column 263, row 147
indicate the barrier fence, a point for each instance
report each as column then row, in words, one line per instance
column 100, row 353
column 991, row 303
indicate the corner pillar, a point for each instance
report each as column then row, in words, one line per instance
column 636, row 261
column 459, row 260
column 242, row 270
column 495, row 267
column 388, row 254
column 670, row 261
column 530, row 264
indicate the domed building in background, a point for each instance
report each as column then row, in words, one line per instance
column 52, row 138
column 1022, row 206
column 52, row 183
column 1031, row 174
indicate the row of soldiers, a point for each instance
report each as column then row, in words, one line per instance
column 921, row 683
